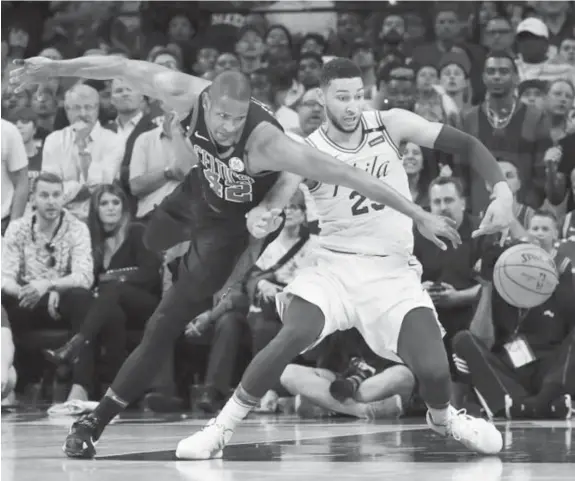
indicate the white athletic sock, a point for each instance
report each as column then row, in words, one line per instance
column 441, row 415
column 236, row 409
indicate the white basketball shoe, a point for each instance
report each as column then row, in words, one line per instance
column 475, row 433
column 205, row 444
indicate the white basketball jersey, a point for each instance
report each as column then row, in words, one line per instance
column 351, row 223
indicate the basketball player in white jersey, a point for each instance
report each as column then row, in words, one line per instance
column 365, row 276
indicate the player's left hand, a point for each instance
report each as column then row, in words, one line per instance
column 445, row 297
column 261, row 221
column 433, row 227
column 499, row 214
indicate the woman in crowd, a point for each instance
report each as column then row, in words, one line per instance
column 128, row 287
column 421, row 168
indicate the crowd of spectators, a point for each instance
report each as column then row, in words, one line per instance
column 85, row 162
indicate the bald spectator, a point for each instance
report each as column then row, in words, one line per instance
column 14, row 174
column 83, row 154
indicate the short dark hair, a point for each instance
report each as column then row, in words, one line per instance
column 338, row 68
column 23, row 114
column 316, row 37
column 310, row 55
column 385, row 73
column 547, row 214
column 501, row 54
column 48, row 177
column 231, row 84
column 456, row 181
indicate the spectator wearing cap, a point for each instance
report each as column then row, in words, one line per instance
column 511, row 130
column 14, row 178
column 250, row 48
column 567, row 50
column 454, row 71
column 309, row 70
column 533, row 46
column 532, row 92
column 558, row 19
column 396, row 87
column 84, row 154
column 362, row 55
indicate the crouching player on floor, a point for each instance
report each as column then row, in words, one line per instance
column 349, row 379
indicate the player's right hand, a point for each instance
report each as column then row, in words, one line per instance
column 32, row 71
column 260, row 221
column 433, row 227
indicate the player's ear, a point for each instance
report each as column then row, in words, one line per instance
column 206, row 101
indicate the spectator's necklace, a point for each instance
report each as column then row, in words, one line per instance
column 499, row 121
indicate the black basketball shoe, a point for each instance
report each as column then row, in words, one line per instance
column 82, row 438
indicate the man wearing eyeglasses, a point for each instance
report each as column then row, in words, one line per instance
column 83, row 154
column 47, row 267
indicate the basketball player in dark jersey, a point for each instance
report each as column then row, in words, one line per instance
column 238, row 148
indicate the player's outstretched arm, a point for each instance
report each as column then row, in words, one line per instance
column 409, row 127
column 271, row 149
column 176, row 89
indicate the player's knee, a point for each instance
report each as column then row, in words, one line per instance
column 289, row 377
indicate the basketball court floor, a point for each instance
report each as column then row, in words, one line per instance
column 140, row 447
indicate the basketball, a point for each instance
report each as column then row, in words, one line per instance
column 525, row 276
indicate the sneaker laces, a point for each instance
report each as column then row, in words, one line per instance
column 466, row 425
column 222, row 441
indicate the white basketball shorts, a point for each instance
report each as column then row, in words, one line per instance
column 370, row 293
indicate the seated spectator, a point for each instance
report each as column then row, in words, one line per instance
column 261, row 86
column 448, row 275
column 160, row 162
column 419, row 166
column 250, row 48
column 129, row 124
column 46, row 267
column 310, row 113
column 205, row 58
column 274, row 269
column 313, row 42
column 396, row 87
column 12, row 99
column 537, row 385
column 26, row 122
column 281, row 81
column 454, row 79
column 521, row 212
column 513, row 132
column 309, row 68
column 45, row 105
column 350, row 379
column 558, row 19
column 532, row 92
column 128, row 283
column 84, row 154
column 498, row 34
column 533, row 45
column 14, row 175
column 567, row 50
column 568, row 230
column 166, row 57
column 362, row 55
column 279, row 45
column 558, row 105
column 432, row 103
column 8, row 373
